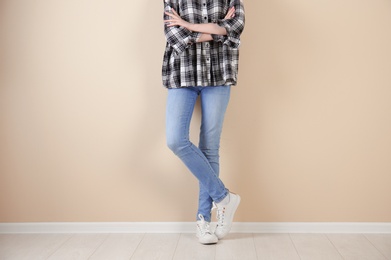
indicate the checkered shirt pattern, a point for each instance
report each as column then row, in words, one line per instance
column 214, row 63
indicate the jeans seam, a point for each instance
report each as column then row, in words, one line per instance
column 210, row 167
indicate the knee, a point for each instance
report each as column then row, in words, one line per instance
column 176, row 145
column 210, row 150
column 211, row 153
column 172, row 145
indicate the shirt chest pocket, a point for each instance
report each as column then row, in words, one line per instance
column 190, row 11
column 203, row 11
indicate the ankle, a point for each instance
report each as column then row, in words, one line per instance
column 224, row 201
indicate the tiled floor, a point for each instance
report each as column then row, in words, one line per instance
column 186, row 247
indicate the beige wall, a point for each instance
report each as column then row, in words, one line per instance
column 307, row 134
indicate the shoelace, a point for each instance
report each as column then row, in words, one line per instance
column 220, row 214
column 204, row 226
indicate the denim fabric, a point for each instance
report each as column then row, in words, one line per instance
column 202, row 161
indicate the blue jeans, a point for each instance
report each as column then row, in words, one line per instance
column 202, row 161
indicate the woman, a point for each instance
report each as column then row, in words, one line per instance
column 201, row 59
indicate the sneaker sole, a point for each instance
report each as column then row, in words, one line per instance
column 209, row 243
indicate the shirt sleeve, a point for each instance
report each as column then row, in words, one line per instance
column 219, row 38
column 178, row 37
column 234, row 26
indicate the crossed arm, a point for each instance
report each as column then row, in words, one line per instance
column 206, row 29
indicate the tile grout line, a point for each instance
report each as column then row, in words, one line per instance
column 334, row 246
column 293, row 243
column 66, row 240
column 104, row 240
column 256, row 253
column 375, row 247
column 138, row 245
column 176, row 246
column 214, row 257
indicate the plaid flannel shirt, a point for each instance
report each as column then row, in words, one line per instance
column 214, row 63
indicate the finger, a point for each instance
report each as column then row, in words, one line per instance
column 229, row 15
column 171, row 24
column 171, row 14
column 170, row 21
column 231, row 11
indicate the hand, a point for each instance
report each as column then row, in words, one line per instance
column 230, row 14
column 176, row 20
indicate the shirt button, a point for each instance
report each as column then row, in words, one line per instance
column 204, row 4
column 205, row 17
column 207, row 45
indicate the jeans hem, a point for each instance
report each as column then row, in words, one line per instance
column 223, row 197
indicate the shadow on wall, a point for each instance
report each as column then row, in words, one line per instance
column 243, row 124
column 168, row 186
column 300, row 122
column 263, row 132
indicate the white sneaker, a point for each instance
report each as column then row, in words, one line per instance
column 204, row 234
column 225, row 215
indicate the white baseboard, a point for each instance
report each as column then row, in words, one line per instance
column 189, row 227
